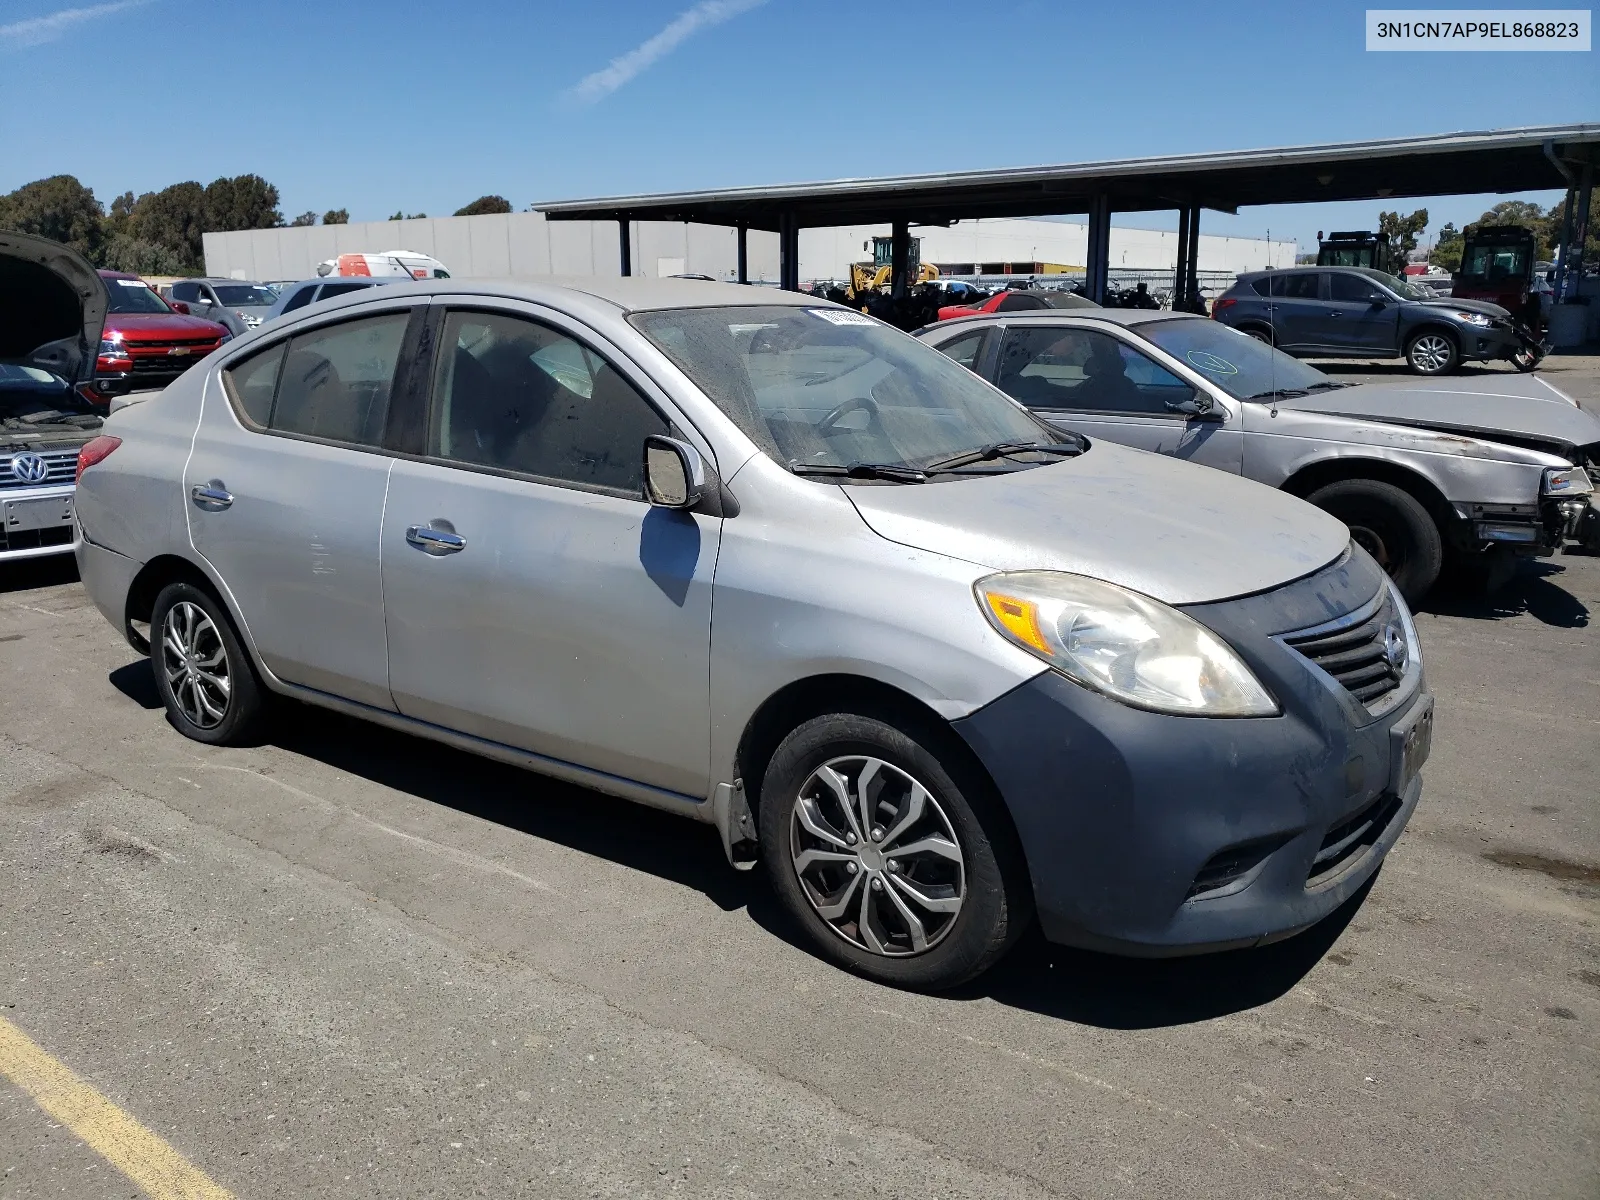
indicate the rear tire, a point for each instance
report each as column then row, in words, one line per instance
column 853, row 879
column 1389, row 524
column 1260, row 334
column 1433, row 352
column 204, row 676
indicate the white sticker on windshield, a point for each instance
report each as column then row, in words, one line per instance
column 133, row 283
column 1211, row 364
column 841, row 316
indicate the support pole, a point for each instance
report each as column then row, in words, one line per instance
column 1565, row 246
column 1580, row 230
column 788, row 252
column 1179, row 283
column 625, row 240
column 744, row 252
column 1099, row 254
column 1191, row 268
column 899, row 257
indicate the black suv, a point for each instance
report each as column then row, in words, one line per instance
column 1356, row 312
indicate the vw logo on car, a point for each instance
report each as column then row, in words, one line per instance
column 29, row 468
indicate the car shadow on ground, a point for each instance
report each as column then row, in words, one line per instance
column 26, row 574
column 1072, row 985
column 1532, row 589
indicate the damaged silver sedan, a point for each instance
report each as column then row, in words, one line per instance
column 1420, row 476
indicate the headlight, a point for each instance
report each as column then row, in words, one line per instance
column 1473, row 318
column 1122, row 644
column 1566, row 481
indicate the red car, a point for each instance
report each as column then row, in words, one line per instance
column 1016, row 300
column 146, row 338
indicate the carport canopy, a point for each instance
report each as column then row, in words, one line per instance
column 1505, row 160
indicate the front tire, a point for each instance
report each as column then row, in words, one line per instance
column 1433, row 352
column 891, row 867
column 202, row 672
column 1389, row 524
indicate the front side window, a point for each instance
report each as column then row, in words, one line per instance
column 335, row 380
column 515, row 395
column 1351, row 289
column 1083, row 369
column 830, row 388
column 189, row 293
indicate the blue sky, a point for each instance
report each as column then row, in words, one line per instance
column 403, row 105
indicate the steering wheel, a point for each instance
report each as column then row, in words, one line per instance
column 864, row 404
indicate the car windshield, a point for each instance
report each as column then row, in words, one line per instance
column 1492, row 263
column 1396, row 285
column 1242, row 366
column 245, row 295
column 134, row 296
column 829, row 388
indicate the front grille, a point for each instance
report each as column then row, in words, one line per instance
column 1356, row 650
column 61, row 467
column 153, row 345
column 35, row 539
column 1352, row 836
column 162, row 365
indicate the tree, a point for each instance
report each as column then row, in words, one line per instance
column 1401, row 233
column 127, row 253
column 336, row 216
column 484, row 205
column 241, row 202
column 173, row 218
column 305, row 218
column 59, row 208
column 405, row 216
column 1446, row 253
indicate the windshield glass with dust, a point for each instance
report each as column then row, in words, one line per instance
column 134, row 296
column 827, row 387
column 1240, row 365
column 245, row 295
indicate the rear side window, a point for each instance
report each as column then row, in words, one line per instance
column 1352, row 289
column 329, row 290
column 301, row 298
column 335, row 380
column 515, row 395
column 253, row 382
column 1297, row 287
column 965, row 349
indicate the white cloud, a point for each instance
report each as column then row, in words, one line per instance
column 36, row 31
column 593, row 88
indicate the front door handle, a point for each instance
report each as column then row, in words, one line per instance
column 212, row 496
column 1336, row 313
column 431, row 540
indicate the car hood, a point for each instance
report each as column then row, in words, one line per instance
column 52, row 307
column 137, row 326
column 1477, row 306
column 1182, row 533
column 1548, row 420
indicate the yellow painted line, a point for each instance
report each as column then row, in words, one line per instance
column 107, row 1130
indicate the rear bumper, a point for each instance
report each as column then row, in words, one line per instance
column 107, row 576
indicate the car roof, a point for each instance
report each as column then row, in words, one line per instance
column 1126, row 317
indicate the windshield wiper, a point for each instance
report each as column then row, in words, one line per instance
column 862, row 470
column 1003, row 450
column 1328, row 385
column 1277, row 394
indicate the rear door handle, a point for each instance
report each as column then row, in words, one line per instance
column 212, row 496
column 1336, row 313
column 435, row 541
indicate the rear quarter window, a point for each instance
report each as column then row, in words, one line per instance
column 301, row 298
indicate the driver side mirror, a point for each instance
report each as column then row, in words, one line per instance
column 1195, row 404
column 1377, row 301
column 674, row 473
column 179, row 306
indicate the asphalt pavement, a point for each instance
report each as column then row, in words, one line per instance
column 349, row 963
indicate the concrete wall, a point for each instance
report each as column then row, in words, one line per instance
column 525, row 244
column 499, row 245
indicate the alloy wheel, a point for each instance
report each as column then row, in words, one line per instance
column 1431, row 352
column 195, row 663
column 877, row 857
